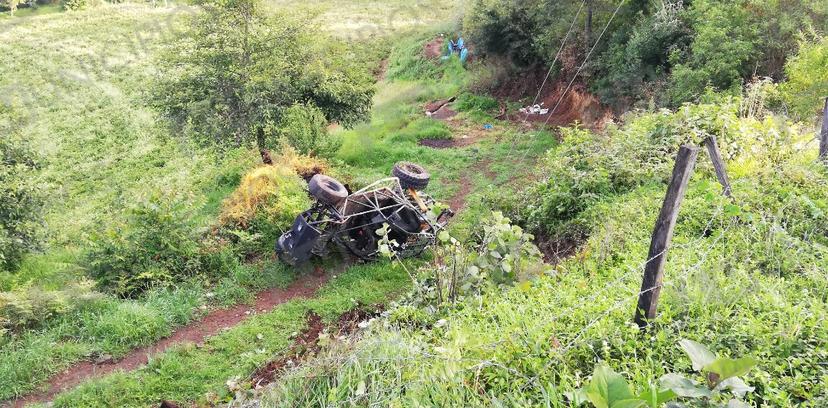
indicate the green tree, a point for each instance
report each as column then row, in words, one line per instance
column 807, row 84
column 720, row 55
column 237, row 70
column 21, row 202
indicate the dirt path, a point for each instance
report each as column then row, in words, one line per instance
column 458, row 201
column 195, row 332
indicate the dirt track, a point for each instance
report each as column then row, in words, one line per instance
column 195, row 332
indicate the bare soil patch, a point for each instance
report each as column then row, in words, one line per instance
column 557, row 248
column 434, row 48
column 434, row 106
column 577, row 105
column 458, row 201
column 195, row 332
column 447, row 143
column 306, row 345
column 381, row 70
column 444, row 113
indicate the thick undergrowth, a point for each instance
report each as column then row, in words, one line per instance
column 744, row 277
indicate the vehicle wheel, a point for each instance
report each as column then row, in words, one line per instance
column 411, row 175
column 327, row 189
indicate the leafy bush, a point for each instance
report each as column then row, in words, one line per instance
column 28, row 308
column 74, row 5
column 607, row 388
column 21, row 202
column 635, row 69
column 588, row 168
column 724, row 44
column 667, row 52
column 506, row 256
column 264, row 205
column 155, row 246
column 304, row 127
column 238, row 70
column 807, row 82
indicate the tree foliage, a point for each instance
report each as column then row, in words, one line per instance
column 724, row 44
column 237, row 70
column 666, row 51
column 807, row 83
column 305, row 128
column 21, row 202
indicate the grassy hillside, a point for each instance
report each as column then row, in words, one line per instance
column 146, row 231
column 75, row 86
column 744, row 277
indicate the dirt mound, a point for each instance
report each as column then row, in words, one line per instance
column 577, row 105
column 434, row 106
column 440, row 109
column 434, row 48
column 443, row 113
column 524, row 85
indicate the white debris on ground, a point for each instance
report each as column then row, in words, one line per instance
column 535, row 110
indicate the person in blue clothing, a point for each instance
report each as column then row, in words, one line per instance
column 458, row 48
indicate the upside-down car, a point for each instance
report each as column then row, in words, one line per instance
column 355, row 221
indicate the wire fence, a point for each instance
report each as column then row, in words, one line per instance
column 361, row 351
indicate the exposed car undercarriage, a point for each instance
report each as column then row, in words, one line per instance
column 355, row 221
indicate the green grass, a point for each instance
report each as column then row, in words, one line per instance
column 110, row 326
column 103, row 150
column 735, row 288
column 37, row 10
column 745, row 276
column 190, row 374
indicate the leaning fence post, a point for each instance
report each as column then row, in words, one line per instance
column 823, row 139
column 718, row 164
column 663, row 234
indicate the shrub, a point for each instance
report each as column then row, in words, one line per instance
column 634, row 67
column 305, row 166
column 506, row 256
column 724, row 44
column 807, row 83
column 28, row 308
column 74, row 5
column 21, row 202
column 155, row 246
column 589, row 168
column 265, row 204
column 304, row 127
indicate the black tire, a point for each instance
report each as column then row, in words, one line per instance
column 411, row 175
column 327, row 189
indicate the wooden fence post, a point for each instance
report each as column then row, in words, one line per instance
column 823, row 139
column 718, row 164
column 663, row 234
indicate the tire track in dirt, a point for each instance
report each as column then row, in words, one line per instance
column 195, row 332
column 458, row 201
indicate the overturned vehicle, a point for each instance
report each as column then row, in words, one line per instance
column 356, row 222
